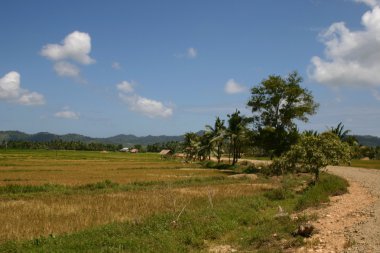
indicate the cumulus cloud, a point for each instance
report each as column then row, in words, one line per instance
column 352, row 58
column 67, row 114
column 371, row 3
column 192, row 53
column 116, row 65
column 31, row 98
column 125, row 87
column 11, row 91
column 63, row 68
column 146, row 106
column 376, row 94
column 232, row 87
column 76, row 46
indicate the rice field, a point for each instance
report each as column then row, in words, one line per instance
column 49, row 192
column 83, row 167
column 72, row 201
column 369, row 164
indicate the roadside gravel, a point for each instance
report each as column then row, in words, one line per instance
column 364, row 236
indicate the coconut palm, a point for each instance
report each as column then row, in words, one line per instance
column 237, row 133
column 339, row 131
column 218, row 135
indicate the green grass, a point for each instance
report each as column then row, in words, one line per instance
column 369, row 164
column 247, row 223
column 16, row 191
column 314, row 195
column 73, row 155
column 198, row 226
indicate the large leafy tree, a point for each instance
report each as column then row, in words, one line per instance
column 276, row 104
column 315, row 152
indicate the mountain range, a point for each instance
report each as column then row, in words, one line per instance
column 125, row 140
column 129, row 139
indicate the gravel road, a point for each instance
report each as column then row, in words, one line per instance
column 365, row 236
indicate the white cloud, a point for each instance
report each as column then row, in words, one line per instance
column 76, row 46
column 125, row 87
column 10, row 86
column 63, row 68
column 10, row 90
column 31, row 98
column 192, row 53
column 351, row 57
column 376, row 94
column 116, row 65
column 371, row 3
column 232, row 87
column 146, row 106
column 67, row 114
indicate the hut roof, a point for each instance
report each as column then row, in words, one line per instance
column 165, row 152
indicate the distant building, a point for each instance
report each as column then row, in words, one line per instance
column 134, row 150
column 124, row 150
column 165, row 153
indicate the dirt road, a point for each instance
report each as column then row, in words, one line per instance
column 364, row 235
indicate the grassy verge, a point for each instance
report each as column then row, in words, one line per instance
column 329, row 185
column 369, row 164
column 247, row 223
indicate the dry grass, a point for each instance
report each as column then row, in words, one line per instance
column 78, row 168
column 32, row 215
column 56, row 214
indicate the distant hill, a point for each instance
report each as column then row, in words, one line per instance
column 368, row 140
column 129, row 140
column 125, row 140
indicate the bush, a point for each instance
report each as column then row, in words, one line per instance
column 106, row 184
column 218, row 166
column 278, row 194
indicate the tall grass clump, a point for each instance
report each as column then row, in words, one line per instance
column 329, row 185
column 20, row 189
column 106, row 184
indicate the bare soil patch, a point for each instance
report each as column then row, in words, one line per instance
column 350, row 222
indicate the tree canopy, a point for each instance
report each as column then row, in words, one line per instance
column 315, row 152
column 276, row 102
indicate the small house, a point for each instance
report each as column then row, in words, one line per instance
column 166, row 153
column 134, row 150
column 124, row 150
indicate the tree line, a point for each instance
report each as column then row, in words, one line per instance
column 60, row 145
column 276, row 105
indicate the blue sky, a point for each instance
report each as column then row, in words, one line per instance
column 102, row 68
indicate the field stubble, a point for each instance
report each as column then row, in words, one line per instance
column 33, row 214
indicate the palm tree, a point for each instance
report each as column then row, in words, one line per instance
column 237, row 132
column 311, row 133
column 339, row 131
column 191, row 145
column 218, row 134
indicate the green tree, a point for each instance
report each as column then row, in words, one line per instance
column 313, row 153
column 237, row 134
column 276, row 103
column 218, row 135
column 339, row 131
column 191, row 145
